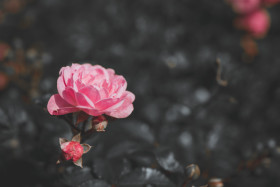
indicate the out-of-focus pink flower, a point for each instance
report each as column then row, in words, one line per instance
column 256, row 23
column 245, row 6
column 92, row 89
column 4, row 80
column 72, row 150
column 4, row 50
column 270, row 2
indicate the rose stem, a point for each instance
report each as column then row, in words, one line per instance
column 69, row 122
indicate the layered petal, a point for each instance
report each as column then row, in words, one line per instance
column 69, row 95
column 60, row 85
column 91, row 92
column 58, row 106
column 107, row 103
column 121, row 86
column 124, row 112
column 123, row 108
column 83, row 100
column 92, row 89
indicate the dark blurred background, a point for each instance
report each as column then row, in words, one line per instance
column 167, row 51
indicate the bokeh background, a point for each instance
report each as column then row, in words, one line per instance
column 167, row 51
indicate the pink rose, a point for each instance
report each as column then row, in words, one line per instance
column 256, row 23
column 245, row 6
column 92, row 89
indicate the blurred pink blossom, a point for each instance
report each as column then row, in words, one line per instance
column 92, row 89
column 271, row 2
column 256, row 23
column 245, row 6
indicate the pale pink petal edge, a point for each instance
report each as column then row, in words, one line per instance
column 58, row 106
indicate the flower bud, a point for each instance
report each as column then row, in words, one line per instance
column 215, row 182
column 192, row 172
column 100, row 123
column 72, row 150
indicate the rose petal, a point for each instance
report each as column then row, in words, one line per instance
column 66, row 73
column 123, row 110
column 121, row 86
column 69, row 96
column 92, row 112
column 58, row 106
column 100, row 70
column 76, row 66
column 83, row 100
column 129, row 96
column 106, row 103
column 91, row 92
column 78, row 85
column 111, row 72
column 60, row 85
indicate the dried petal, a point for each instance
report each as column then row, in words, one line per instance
column 79, row 162
column 86, row 148
column 62, row 140
column 77, row 138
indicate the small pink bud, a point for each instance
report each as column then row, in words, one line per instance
column 72, row 150
column 245, row 6
column 256, row 23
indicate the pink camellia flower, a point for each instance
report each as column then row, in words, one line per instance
column 256, row 23
column 245, row 6
column 92, row 89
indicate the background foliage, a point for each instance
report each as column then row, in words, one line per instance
column 167, row 51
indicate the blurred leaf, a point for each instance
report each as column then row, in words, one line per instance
column 75, row 176
column 167, row 161
column 143, row 158
column 94, row 183
column 123, row 148
column 121, row 166
column 139, row 130
column 102, row 169
column 142, row 176
column 43, row 100
column 4, row 121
